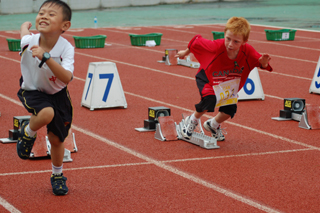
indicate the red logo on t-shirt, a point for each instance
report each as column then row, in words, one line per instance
column 53, row 78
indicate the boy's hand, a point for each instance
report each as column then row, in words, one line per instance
column 27, row 25
column 264, row 60
column 182, row 53
column 37, row 51
column 24, row 29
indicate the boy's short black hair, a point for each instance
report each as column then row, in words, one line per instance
column 66, row 10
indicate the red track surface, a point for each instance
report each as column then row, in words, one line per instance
column 264, row 165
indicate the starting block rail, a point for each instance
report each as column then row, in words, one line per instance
column 197, row 138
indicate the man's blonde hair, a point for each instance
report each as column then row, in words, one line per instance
column 238, row 26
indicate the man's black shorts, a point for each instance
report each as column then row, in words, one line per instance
column 34, row 101
column 209, row 103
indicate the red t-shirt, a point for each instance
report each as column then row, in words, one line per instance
column 218, row 67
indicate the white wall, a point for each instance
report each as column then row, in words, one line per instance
column 115, row 3
column 29, row 6
column 84, row 4
column 16, row 6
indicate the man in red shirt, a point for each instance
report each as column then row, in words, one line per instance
column 225, row 65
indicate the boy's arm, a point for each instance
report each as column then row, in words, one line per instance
column 62, row 74
column 24, row 29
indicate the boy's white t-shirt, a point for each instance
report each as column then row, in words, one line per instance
column 42, row 79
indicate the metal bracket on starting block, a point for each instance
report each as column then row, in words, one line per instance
column 304, row 121
column 188, row 63
column 67, row 152
column 170, row 59
column 197, row 138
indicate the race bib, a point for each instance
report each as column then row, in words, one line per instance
column 227, row 92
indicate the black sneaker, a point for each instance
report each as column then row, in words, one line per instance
column 216, row 133
column 25, row 142
column 58, row 183
column 188, row 127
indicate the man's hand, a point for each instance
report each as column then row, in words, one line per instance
column 264, row 60
column 37, row 51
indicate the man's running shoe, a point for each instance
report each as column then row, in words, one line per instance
column 25, row 142
column 188, row 127
column 58, row 183
column 216, row 133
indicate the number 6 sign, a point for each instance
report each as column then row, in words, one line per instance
column 103, row 87
column 252, row 89
column 315, row 84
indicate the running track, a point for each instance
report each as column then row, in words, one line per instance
column 263, row 166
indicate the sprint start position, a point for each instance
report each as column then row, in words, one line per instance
column 47, row 64
column 222, row 61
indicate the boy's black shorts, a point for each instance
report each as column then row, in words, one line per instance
column 34, row 101
column 209, row 103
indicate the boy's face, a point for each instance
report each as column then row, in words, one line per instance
column 50, row 19
column 233, row 42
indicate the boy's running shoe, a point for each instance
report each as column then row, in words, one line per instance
column 188, row 127
column 216, row 133
column 58, row 183
column 25, row 142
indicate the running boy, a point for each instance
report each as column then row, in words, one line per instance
column 47, row 67
column 223, row 61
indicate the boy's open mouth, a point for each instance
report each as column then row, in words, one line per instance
column 42, row 23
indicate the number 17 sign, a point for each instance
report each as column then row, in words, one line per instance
column 103, row 87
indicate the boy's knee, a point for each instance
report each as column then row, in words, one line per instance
column 47, row 114
column 54, row 140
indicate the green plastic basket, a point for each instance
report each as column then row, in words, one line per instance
column 14, row 44
column 140, row 40
column 280, row 35
column 97, row 41
column 217, row 35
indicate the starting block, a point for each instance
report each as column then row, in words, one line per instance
column 167, row 130
column 42, row 146
column 170, row 59
column 296, row 109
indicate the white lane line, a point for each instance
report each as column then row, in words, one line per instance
column 174, row 170
column 8, row 206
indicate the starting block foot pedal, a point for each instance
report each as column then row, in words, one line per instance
column 166, row 129
column 69, row 142
column 310, row 118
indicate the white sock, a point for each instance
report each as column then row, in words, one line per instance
column 193, row 118
column 56, row 170
column 29, row 131
column 214, row 123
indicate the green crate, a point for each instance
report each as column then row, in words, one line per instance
column 14, row 44
column 280, row 35
column 217, row 35
column 140, row 40
column 97, row 41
